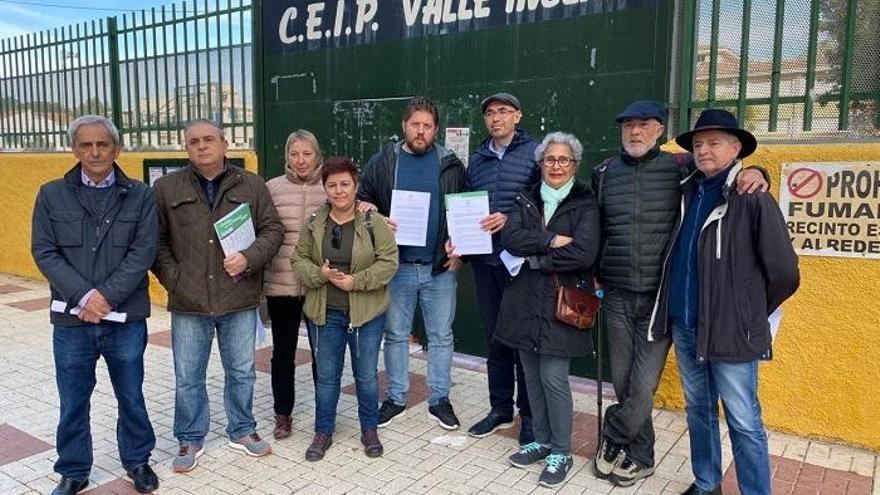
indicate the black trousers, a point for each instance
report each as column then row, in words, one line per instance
column 285, row 312
column 504, row 369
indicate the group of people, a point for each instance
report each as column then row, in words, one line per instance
column 688, row 249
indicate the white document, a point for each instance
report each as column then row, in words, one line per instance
column 61, row 307
column 512, row 263
column 774, row 319
column 458, row 139
column 236, row 230
column 259, row 330
column 463, row 214
column 410, row 210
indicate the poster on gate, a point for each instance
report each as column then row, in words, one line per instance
column 832, row 209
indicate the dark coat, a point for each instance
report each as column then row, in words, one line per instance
column 189, row 261
column 503, row 179
column 75, row 260
column 527, row 317
column 377, row 182
column 747, row 268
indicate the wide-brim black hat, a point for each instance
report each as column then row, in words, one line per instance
column 721, row 120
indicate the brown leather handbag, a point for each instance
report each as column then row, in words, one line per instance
column 575, row 306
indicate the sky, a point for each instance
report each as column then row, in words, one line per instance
column 25, row 16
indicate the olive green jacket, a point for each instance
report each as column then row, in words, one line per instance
column 371, row 268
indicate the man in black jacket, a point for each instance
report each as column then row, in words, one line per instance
column 94, row 238
column 426, row 275
column 731, row 265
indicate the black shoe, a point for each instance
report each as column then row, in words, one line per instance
column 320, row 444
column 609, row 456
column 144, row 479
column 528, row 455
column 693, row 490
column 70, row 486
column 526, row 436
column 556, row 468
column 389, row 411
column 444, row 414
column 490, row 424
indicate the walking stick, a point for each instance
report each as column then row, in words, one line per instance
column 600, row 324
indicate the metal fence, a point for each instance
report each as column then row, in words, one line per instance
column 150, row 72
column 789, row 69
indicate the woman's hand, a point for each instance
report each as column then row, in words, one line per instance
column 330, row 274
column 560, row 240
column 344, row 282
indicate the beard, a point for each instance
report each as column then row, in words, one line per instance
column 418, row 146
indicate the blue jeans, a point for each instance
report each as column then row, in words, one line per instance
column 413, row 284
column 737, row 386
column 330, row 341
column 77, row 350
column 191, row 337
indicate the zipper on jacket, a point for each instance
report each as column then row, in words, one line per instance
column 636, row 218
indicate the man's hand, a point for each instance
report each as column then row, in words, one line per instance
column 453, row 264
column 750, row 180
column 330, row 274
column 365, row 206
column 450, row 249
column 235, row 264
column 493, row 222
column 98, row 304
column 392, row 224
column 560, row 241
column 344, row 282
column 88, row 316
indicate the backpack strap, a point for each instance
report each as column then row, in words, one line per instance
column 368, row 222
column 603, row 168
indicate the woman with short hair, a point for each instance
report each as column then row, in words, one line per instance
column 555, row 227
column 345, row 258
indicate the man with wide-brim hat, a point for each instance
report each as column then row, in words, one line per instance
column 730, row 266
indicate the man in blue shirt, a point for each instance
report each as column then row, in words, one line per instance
column 426, row 275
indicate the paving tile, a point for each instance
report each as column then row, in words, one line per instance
column 31, row 304
column 583, row 435
column 418, row 389
column 796, row 477
column 16, row 445
column 161, row 339
column 11, row 289
column 263, row 358
column 115, row 487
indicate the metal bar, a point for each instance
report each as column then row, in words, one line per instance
column 810, row 84
column 177, row 72
column 713, row 51
column 744, row 62
column 687, row 64
column 231, row 70
column 32, row 91
column 61, row 78
column 48, row 126
column 5, row 100
column 138, row 126
column 186, row 64
column 88, row 73
column 242, row 68
column 777, row 65
column 847, row 69
column 80, row 76
column 149, row 114
column 198, row 69
column 94, row 59
column 105, row 76
column 19, row 87
column 257, row 83
column 113, row 65
column 219, row 63
column 128, row 89
column 165, row 72
column 208, row 63
column 154, row 120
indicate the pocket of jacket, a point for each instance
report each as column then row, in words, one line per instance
column 67, row 227
column 124, row 229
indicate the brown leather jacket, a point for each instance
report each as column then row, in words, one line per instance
column 189, row 259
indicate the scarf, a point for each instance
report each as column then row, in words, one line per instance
column 552, row 197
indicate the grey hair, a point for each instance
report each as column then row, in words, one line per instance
column 92, row 119
column 195, row 122
column 303, row 135
column 577, row 149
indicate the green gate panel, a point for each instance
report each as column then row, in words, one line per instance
column 573, row 67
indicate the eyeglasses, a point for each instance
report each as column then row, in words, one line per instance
column 562, row 161
column 336, row 237
column 501, row 112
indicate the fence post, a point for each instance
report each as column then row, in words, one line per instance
column 115, row 82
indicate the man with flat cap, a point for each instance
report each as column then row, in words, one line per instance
column 503, row 164
column 639, row 194
column 731, row 266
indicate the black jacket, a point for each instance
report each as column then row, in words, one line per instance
column 527, row 317
column 747, row 268
column 76, row 255
column 377, row 182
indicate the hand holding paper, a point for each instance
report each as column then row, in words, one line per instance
column 466, row 214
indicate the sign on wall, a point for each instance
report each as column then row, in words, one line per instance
column 832, row 209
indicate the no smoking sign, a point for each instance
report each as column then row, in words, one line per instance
column 804, row 183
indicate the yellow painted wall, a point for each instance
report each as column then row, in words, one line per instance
column 824, row 380
column 22, row 174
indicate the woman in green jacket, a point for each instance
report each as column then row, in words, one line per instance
column 345, row 259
